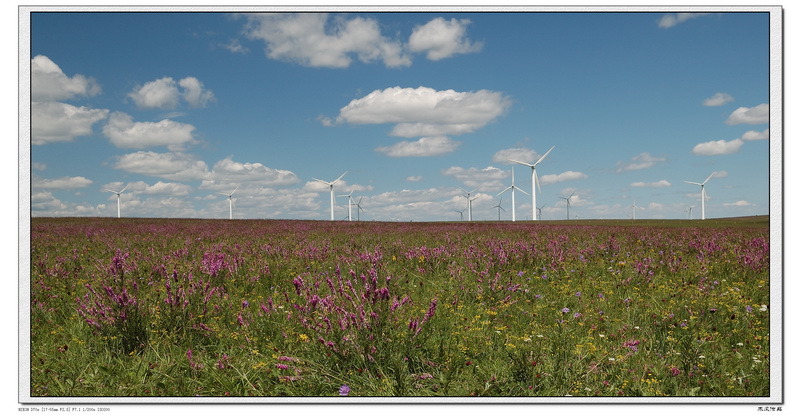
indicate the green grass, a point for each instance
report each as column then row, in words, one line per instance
column 173, row 308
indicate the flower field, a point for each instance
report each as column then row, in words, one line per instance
column 184, row 308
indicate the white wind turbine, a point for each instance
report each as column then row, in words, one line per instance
column 230, row 201
column 539, row 209
column 349, row 205
column 469, row 202
column 634, row 208
column 568, row 204
column 331, row 185
column 534, row 180
column 119, row 212
column 513, row 202
column 691, row 217
column 359, row 210
column 462, row 213
column 702, row 194
column 499, row 208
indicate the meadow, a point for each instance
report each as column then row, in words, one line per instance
column 268, row 308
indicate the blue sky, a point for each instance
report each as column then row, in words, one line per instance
column 178, row 108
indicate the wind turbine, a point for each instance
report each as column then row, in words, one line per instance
column 230, row 201
column 534, row 180
column 634, row 207
column 461, row 212
column 691, row 217
column 349, row 205
column 119, row 214
column 702, row 194
column 499, row 207
column 359, row 210
column 331, row 185
column 513, row 203
column 568, row 204
column 469, row 202
column 539, row 209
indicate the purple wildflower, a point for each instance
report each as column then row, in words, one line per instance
column 344, row 390
column 565, row 310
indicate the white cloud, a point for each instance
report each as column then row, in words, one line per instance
column 170, row 166
column 474, row 178
column 753, row 115
column 194, row 93
column 59, row 122
column 442, row 38
column 718, row 147
column 424, row 111
column 414, row 178
column 641, row 161
column 659, row 184
column 309, row 39
column 227, row 171
column 163, row 93
column 670, row 20
column 718, row 99
column 752, row 135
column 738, row 204
column 426, row 146
column 49, row 83
column 562, row 177
column 518, row 153
column 162, row 188
column 123, row 132
column 66, row 182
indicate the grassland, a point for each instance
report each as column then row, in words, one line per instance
column 261, row 308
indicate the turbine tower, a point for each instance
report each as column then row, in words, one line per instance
column 469, row 202
column 634, row 207
column 534, row 180
column 702, row 194
column 230, row 201
column 349, row 205
column 499, row 208
column 568, row 204
column 331, row 185
column 513, row 203
column 119, row 212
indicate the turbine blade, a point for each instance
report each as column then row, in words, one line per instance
column 520, row 189
column 536, row 178
column 521, row 163
column 126, row 187
column 504, row 190
column 340, row 177
column 709, row 177
column 693, row 183
column 235, row 189
column 544, row 156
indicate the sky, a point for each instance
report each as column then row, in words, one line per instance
column 415, row 109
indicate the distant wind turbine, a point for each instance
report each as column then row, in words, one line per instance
column 331, row 185
column 534, row 180
column 349, row 205
column 462, row 213
column 691, row 217
column 499, row 208
column 230, row 201
column 634, row 207
column 359, row 210
column 539, row 209
column 513, row 202
column 469, row 202
column 702, row 194
column 568, row 204
column 119, row 212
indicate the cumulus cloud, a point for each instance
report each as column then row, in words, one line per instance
column 60, row 122
column 738, row 204
column 753, row 115
column 659, row 184
column 229, row 171
column 717, row 100
column 161, row 188
column 442, row 38
column 66, row 182
column 423, row 111
column 561, row 177
column 752, row 135
column 718, row 147
column 414, row 178
column 123, row 132
column 309, row 39
column 641, row 161
column 672, row 19
column 49, row 83
column 426, row 146
column 474, row 178
column 164, row 93
column 170, row 166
